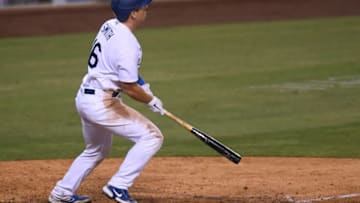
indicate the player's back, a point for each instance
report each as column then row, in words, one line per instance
column 114, row 50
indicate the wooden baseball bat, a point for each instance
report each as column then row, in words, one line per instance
column 207, row 139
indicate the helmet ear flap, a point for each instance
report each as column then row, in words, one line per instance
column 123, row 15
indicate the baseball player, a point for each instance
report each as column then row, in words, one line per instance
column 113, row 66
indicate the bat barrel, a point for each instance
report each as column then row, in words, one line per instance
column 218, row 146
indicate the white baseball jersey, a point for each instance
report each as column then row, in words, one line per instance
column 115, row 56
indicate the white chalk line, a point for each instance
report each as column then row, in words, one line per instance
column 287, row 198
column 332, row 82
column 338, row 197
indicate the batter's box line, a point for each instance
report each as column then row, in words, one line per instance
column 338, row 197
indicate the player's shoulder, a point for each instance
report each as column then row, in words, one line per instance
column 107, row 30
column 117, row 28
column 117, row 36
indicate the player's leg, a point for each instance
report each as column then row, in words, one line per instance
column 148, row 140
column 98, row 144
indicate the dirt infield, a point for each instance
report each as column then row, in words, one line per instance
column 184, row 179
column 198, row 179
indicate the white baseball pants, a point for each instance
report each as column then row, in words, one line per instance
column 102, row 116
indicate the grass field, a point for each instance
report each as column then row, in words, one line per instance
column 289, row 88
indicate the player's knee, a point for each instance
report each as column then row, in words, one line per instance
column 152, row 137
column 155, row 132
column 105, row 151
column 97, row 153
column 157, row 137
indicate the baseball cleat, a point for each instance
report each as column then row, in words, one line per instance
column 69, row 199
column 117, row 194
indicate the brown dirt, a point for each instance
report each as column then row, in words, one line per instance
column 196, row 179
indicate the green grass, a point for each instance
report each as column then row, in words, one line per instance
column 289, row 88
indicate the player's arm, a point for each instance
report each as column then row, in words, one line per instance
column 136, row 92
column 143, row 84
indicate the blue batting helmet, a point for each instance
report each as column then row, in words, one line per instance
column 123, row 8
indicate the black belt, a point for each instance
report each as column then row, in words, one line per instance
column 92, row 91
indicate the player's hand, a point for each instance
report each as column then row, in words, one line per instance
column 146, row 88
column 156, row 105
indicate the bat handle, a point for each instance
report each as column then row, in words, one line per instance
column 178, row 120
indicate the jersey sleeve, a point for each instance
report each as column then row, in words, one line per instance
column 127, row 65
column 127, row 74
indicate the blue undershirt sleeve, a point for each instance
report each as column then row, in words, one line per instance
column 140, row 81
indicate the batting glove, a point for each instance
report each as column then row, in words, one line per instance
column 156, row 105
